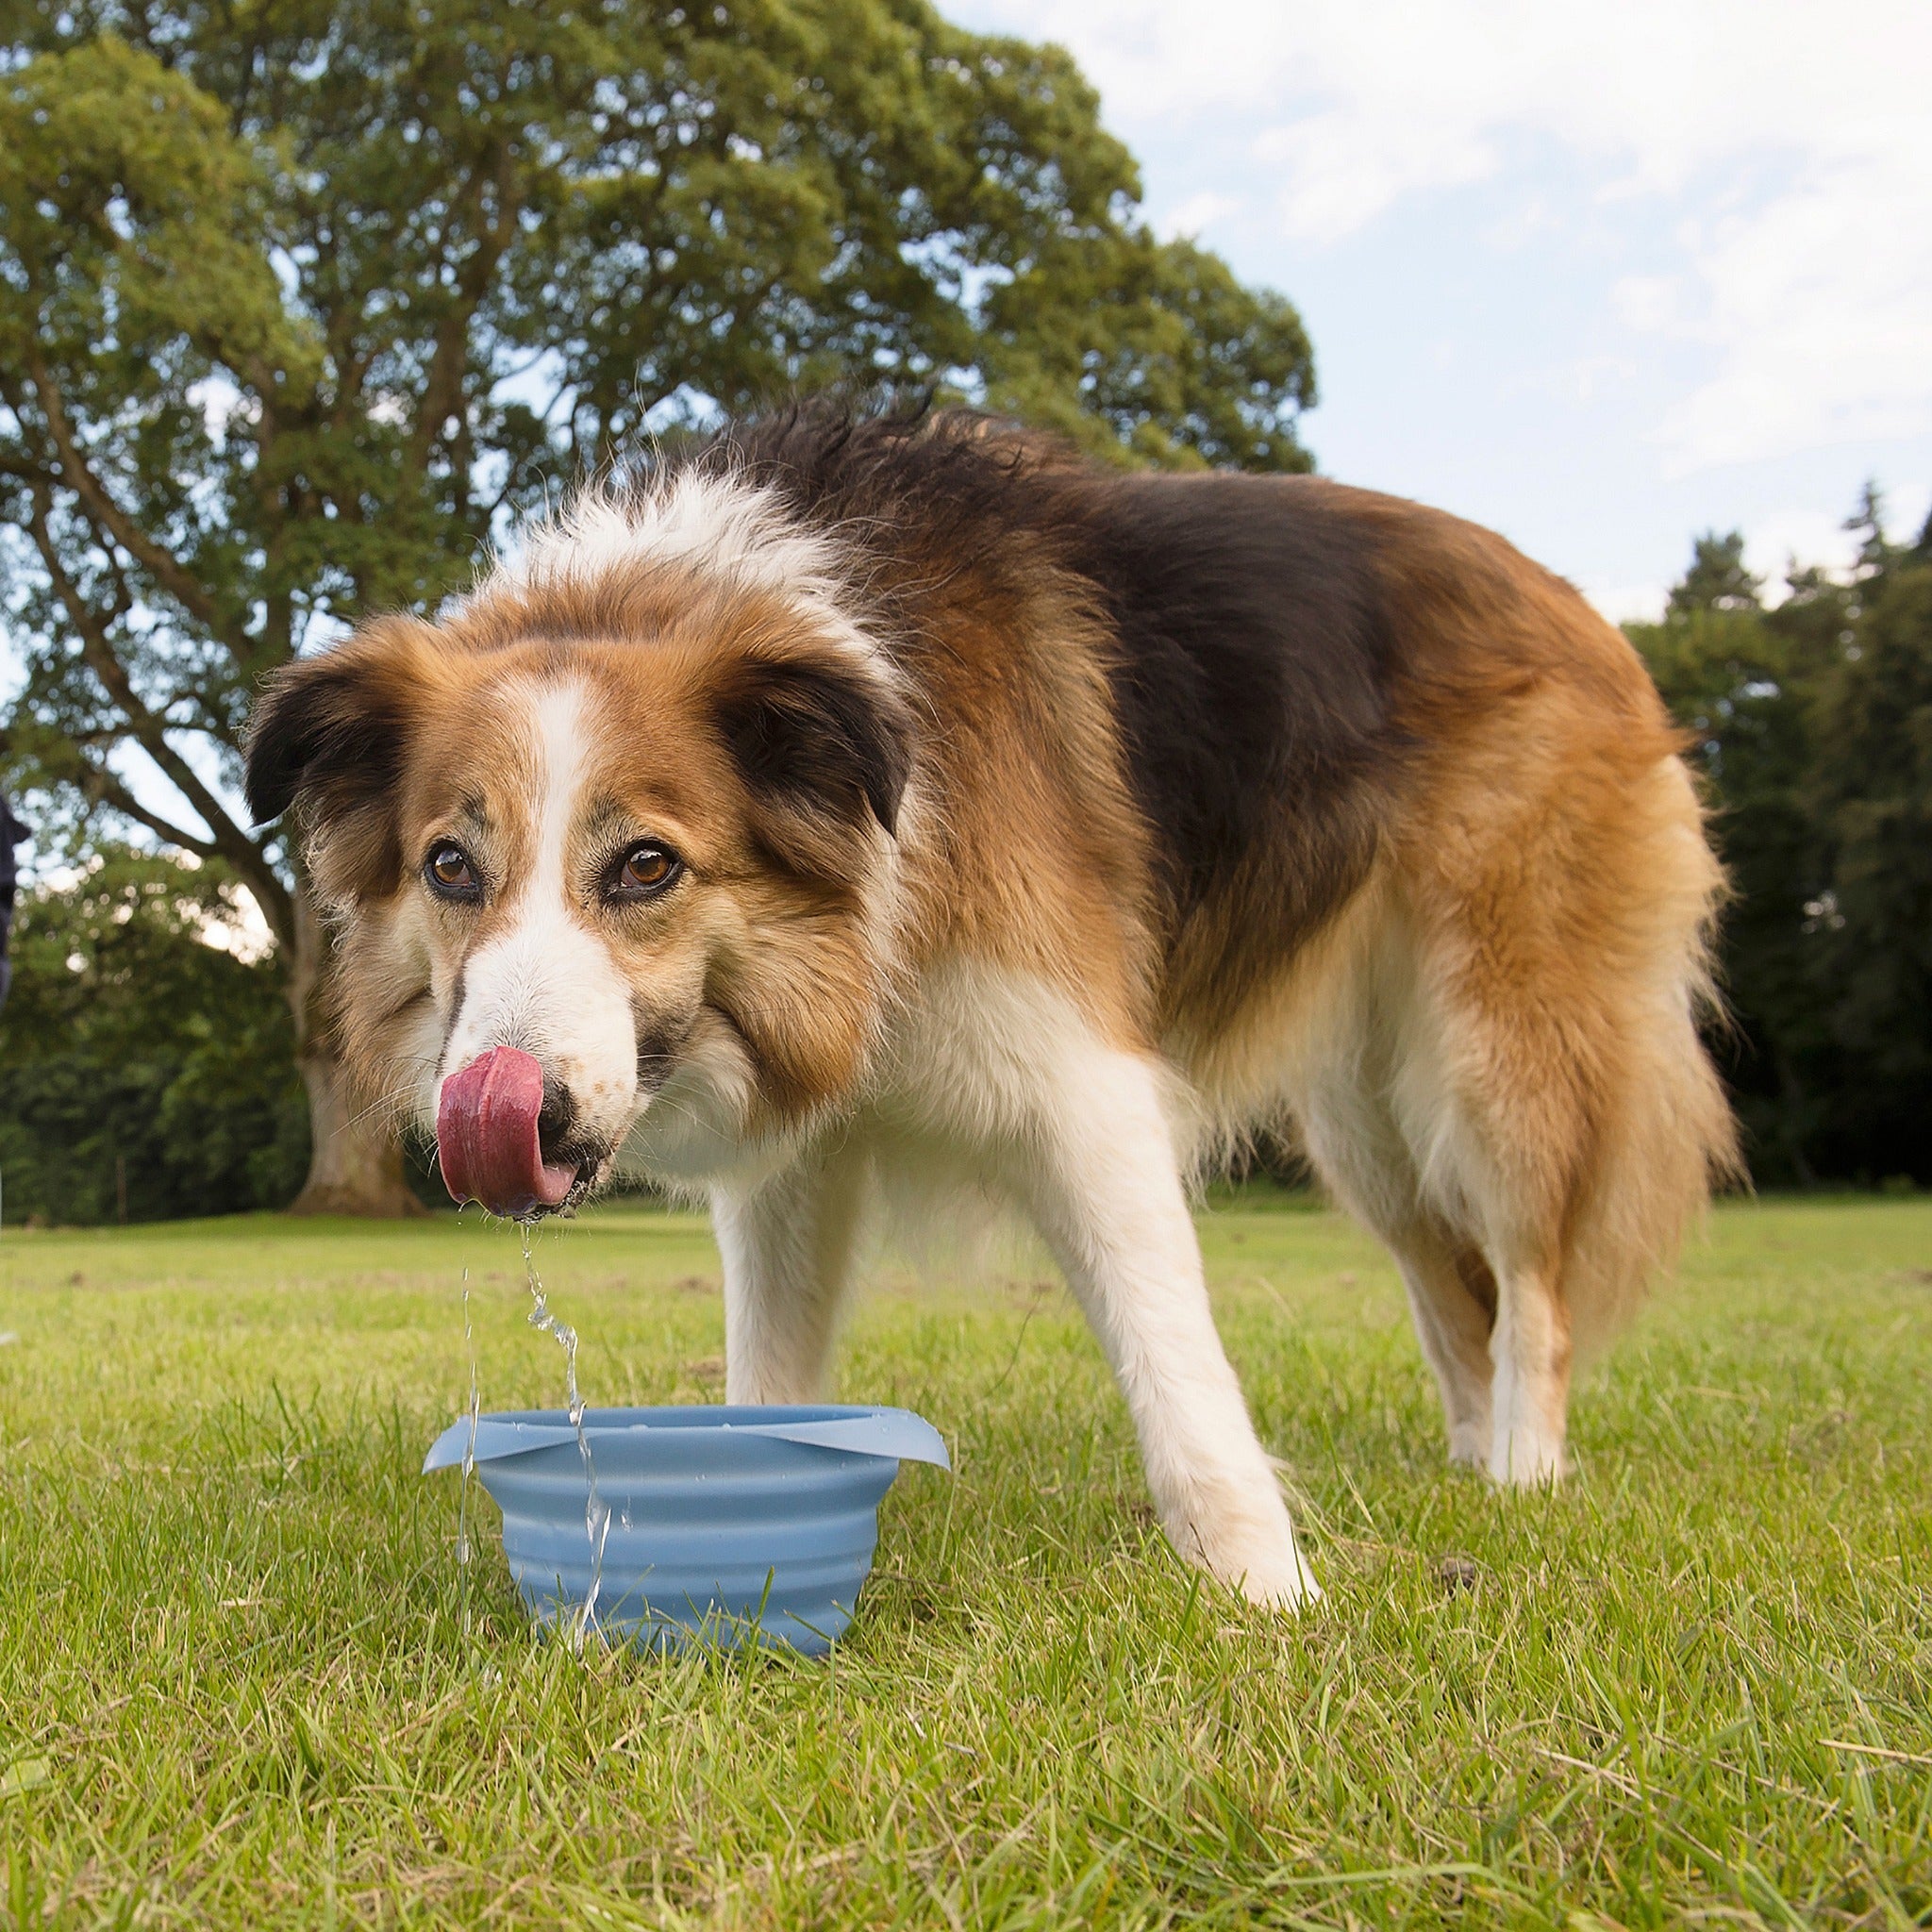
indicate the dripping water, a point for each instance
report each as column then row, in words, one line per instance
column 596, row 1512
column 469, row 1454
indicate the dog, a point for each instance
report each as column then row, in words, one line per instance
column 854, row 803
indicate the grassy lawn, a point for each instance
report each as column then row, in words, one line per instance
column 238, row 1685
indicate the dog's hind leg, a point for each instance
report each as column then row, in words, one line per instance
column 1560, row 1108
column 787, row 1243
column 1496, row 1117
column 1452, row 1297
column 1352, row 1138
column 1530, row 1395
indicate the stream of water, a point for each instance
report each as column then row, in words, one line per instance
column 469, row 1454
column 596, row 1512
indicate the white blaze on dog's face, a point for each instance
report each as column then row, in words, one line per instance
column 544, row 976
column 642, row 833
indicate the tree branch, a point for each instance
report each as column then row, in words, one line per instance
column 443, row 390
column 150, row 732
column 276, row 643
column 108, row 514
column 26, row 472
column 102, row 786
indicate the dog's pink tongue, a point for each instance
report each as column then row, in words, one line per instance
column 486, row 1136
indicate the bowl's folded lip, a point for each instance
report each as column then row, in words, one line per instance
column 852, row 1428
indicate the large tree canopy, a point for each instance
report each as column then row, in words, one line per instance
column 300, row 302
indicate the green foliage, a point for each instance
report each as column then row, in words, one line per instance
column 134, row 1053
column 303, row 303
column 1872, row 795
column 1814, row 727
column 1152, row 352
column 243, row 1682
column 1717, row 579
column 298, row 305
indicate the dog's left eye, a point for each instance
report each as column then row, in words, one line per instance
column 450, row 872
column 645, row 871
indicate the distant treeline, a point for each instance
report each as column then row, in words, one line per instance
column 147, row 1073
column 1813, row 730
column 143, row 1071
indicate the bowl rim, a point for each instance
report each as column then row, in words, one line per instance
column 690, row 1415
column 853, row 1428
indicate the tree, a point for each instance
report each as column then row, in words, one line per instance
column 144, row 1072
column 1813, row 725
column 1717, row 579
column 1742, row 687
column 1872, row 794
column 301, row 302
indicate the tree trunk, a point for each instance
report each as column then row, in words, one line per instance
column 355, row 1161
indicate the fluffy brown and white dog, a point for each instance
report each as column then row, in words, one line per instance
column 862, row 802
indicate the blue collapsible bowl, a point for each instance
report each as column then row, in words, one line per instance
column 736, row 1525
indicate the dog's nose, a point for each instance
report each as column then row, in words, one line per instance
column 557, row 1119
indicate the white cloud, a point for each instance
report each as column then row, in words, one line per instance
column 1808, row 536
column 1774, row 543
column 1650, row 304
column 1795, row 131
column 1803, row 536
column 1198, row 212
column 1340, row 169
column 1819, row 306
column 1627, row 603
column 1661, row 87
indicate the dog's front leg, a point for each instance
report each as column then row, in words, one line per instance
column 787, row 1243
column 1104, row 1188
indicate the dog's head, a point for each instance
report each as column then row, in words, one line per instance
column 632, row 822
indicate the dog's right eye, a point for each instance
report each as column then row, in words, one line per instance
column 450, row 874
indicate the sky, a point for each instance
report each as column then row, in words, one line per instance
column 1597, row 276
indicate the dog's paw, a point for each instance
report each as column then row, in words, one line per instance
column 1286, row 1589
column 1261, row 1562
column 1526, row 1459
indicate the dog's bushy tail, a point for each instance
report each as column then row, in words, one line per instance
column 1666, row 1136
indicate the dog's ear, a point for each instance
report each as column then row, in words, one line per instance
column 329, row 738
column 819, row 736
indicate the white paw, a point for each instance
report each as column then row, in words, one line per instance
column 1285, row 1589
column 1526, row 1459
column 1259, row 1561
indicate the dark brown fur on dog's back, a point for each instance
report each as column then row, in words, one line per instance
column 1317, row 698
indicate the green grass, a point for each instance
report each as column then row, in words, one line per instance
column 236, row 1687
